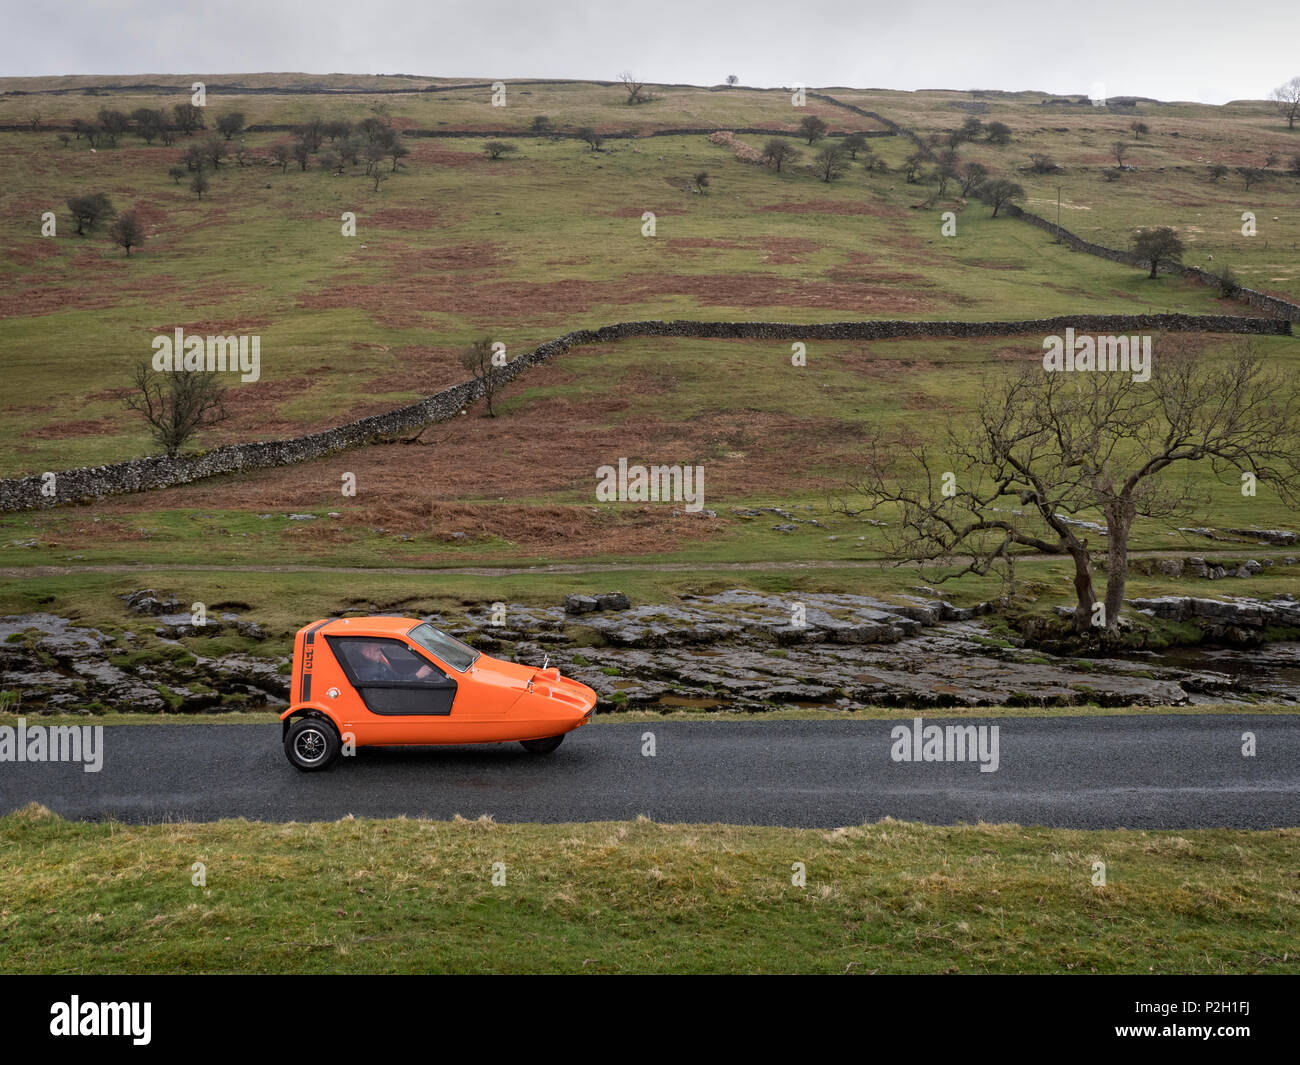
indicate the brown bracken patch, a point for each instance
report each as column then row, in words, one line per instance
column 418, row 218
column 787, row 249
column 546, row 303
column 428, row 154
column 472, row 469
column 827, row 207
column 85, row 427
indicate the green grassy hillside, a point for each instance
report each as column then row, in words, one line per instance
column 455, row 245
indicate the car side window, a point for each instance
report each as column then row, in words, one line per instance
column 383, row 661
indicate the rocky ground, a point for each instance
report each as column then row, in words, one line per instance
column 730, row 651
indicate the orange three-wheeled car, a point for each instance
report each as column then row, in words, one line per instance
column 378, row 681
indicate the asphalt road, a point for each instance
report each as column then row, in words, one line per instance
column 1076, row 772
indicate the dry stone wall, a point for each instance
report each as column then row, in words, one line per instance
column 1265, row 302
column 158, row 471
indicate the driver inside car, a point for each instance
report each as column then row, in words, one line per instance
column 376, row 667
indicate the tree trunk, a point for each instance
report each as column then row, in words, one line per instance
column 1083, row 590
column 1119, row 520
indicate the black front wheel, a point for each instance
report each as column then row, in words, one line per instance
column 545, row 746
column 311, row 744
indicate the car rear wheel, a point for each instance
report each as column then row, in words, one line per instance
column 311, row 744
column 545, row 746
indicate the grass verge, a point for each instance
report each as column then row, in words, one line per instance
column 418, row 896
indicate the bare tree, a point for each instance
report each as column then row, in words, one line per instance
column 200, row 184
column 477, row 359
column 112, row 124
column 590, row 137
column 281, row 154
column 700, row 182
column 635, row 87
column 188, row 117
column 115, row 123
column 998, row 133
column 1218, row 172
column 971, row 175
column 350, row 150
column 1251, row 175
column 946, row 169
column 999, row 192
column 337, row 129
column 1287, row 98
column 778, row 153
column 1140, row 129
column 230, row 123
column 732, row 79
column 215, row 150
column 1229, row 283
column 831, row 163
column 1156, row 245
column 177, row 404
column 372, row 128
column 89, row 210
column 398, row 151
column 1046, row 447
column 496, row 149
column 1119, row 149
column 127, row 231
column 854, row 143
column 149, row 122
column 312, row 132
column 812, row 128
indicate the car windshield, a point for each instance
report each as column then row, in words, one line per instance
column 446, row 648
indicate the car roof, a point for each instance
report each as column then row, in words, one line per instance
column 374, row 625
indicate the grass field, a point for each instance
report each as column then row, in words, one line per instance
column 791, row 437
column 1169, row 184
column 454, row 246
column 523, row 248
column 452, row 106
column 418, row 896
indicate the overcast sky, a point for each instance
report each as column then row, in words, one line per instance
column 1204, row 50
